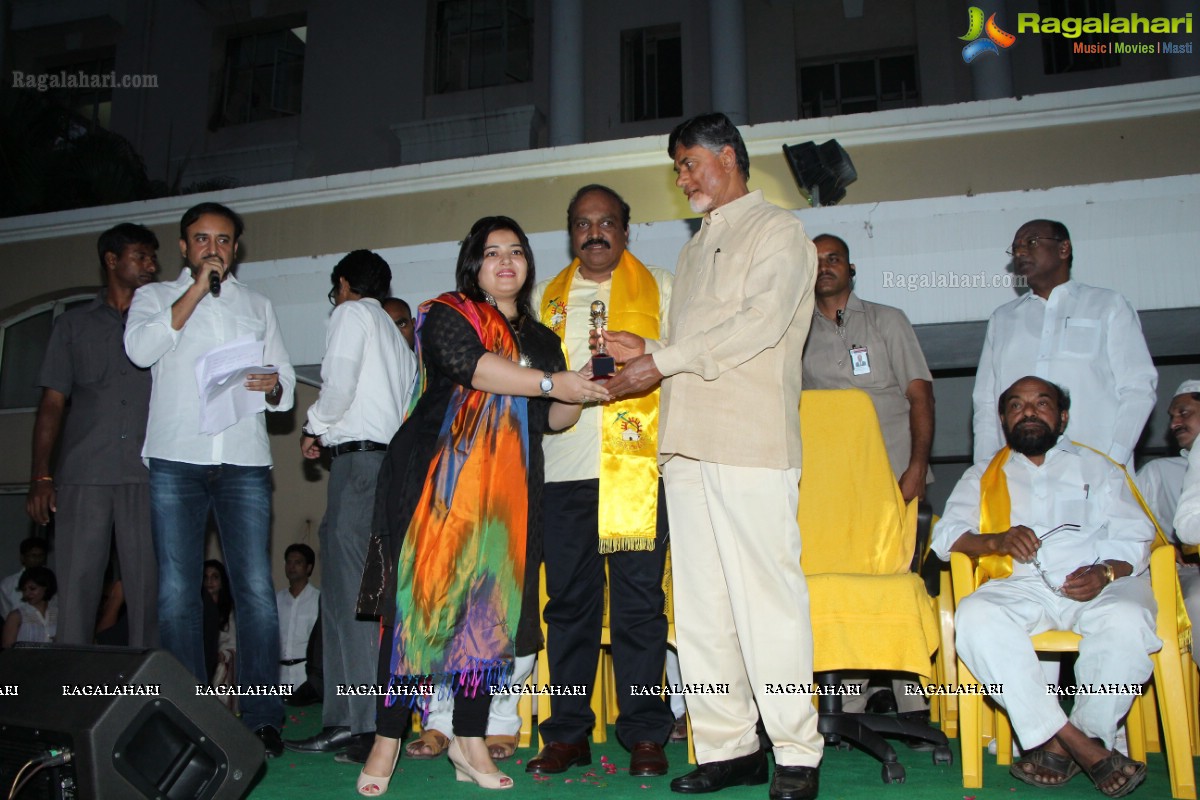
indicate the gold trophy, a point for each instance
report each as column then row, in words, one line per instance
column 603, row 365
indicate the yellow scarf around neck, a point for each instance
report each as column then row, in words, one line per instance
column 628, row 511
column 995, row 512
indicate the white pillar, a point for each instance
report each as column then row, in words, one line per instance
column 566, row 72
column 727, row 36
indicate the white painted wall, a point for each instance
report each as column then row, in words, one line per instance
column 1140, row 238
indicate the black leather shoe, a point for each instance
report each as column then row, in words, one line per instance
column 714, row 776
column 795, row 783
column 882, row 702
column 329, row 740
column 271, row 740
column 558, row 757
column 305, row 695
column 647, row 760
column 357, row 749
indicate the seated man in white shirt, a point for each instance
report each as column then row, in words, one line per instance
column 1080, row 546
column 1161, row 484
column 297, row 605
column 33, row 554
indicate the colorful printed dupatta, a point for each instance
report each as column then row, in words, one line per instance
column 461, row 570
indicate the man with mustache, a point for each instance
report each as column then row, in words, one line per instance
column 1161, row 484
column 856, row 344
column 170, row 326
column 1080, row 548
column 603, row 502
column 1085, row 339
column 100, row 484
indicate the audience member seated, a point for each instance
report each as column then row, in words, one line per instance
column 298, row 605
column 220, row 642
column 35, row 619
column 33, row 554
column 1161, row 483
column 1187, row 515
column 1080, row 546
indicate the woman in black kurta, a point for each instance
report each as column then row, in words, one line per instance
column 474, row 397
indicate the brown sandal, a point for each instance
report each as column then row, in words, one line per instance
column 430, row 744
column 501, row 747
column 1116, row 763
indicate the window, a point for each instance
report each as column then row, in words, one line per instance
column 651, row 73
column 1059, row 54
column 90, row 104
column 263, row 76
column 855, row 86
column 479, row 43
column 24, row 340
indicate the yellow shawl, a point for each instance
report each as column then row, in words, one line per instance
column 628, row 512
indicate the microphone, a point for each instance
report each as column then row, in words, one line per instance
column 214, row 284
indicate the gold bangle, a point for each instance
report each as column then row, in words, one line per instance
column 41, row 478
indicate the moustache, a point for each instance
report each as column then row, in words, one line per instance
column 600, row 242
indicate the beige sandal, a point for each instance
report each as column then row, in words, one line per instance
column 430, row 744
column 501, row 747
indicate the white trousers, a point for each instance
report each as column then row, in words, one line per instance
column 741, row 609
column 503, row 719
column 992, row 629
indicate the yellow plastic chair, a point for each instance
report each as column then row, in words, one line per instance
column 1168, row 682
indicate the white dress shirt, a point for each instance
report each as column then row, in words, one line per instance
column 10, row 595
column 1087, row 340
column 1187, row 514
column 367, row 376
column 1073, row 485
column 1161, row 482
column 297, row 615
column 173, row 431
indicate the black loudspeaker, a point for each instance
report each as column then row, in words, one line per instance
column 824, row 171
column 130, row 720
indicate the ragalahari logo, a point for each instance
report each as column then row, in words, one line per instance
column 997, row 39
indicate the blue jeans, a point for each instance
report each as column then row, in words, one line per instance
column 181, row 496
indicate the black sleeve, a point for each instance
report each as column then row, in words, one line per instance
column 450, row 345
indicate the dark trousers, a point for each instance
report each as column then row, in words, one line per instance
column 470, row 710
column 637, row 619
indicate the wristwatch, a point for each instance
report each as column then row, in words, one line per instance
column 1109, row 572
column 547, row 383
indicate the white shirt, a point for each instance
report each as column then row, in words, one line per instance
column 10, row 595
column 367, row 376
column 1187, row 515
column 173, row 431
column 297, row 615
column 1161, row 482
column 1073, row 485
column 574, row 454
column 1087, row 340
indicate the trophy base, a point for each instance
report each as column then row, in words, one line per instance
column 603, row 367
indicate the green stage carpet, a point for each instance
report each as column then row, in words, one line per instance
column 844, row 775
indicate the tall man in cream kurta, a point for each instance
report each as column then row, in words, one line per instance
column 730, row 445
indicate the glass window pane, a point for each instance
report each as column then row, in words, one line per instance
column 24, row 347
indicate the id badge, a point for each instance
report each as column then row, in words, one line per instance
column 859, row 361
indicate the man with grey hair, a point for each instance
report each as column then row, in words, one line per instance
column 729, row 444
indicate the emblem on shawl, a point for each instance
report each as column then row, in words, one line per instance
column 628, row 430
column 558, row 315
